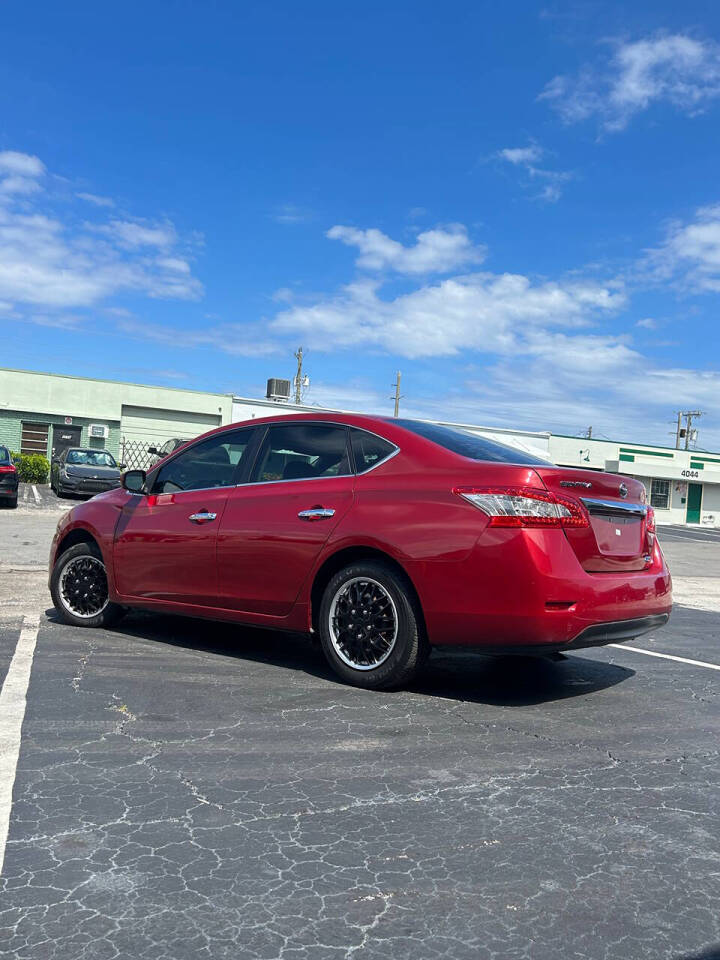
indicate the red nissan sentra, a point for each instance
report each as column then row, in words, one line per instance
column 384, row 537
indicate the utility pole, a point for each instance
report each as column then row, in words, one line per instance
column 397, row 394
column 589, row 433
column 298, row 379
column 685, row 432
column 688, row 433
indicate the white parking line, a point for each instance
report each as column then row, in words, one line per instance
column 666, row 656
column 36, row 494
column 13, row 699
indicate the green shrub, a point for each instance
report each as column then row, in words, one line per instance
column 31, row 467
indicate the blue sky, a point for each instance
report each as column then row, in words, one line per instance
column 515, row 204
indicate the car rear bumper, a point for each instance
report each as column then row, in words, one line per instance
column 525, row 591
column 9, row 490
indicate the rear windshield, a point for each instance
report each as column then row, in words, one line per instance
column 4, row 456
column 469, row 444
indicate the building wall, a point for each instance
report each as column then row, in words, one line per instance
column 11, row 430
column 49, row 398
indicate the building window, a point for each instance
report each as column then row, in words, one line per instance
column 34, row 438
column 660, row 494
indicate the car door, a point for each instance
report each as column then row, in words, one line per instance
column 165, row 540
column 275, row 525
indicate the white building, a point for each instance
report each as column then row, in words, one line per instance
column 682, row 485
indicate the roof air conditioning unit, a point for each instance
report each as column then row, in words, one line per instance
column 98, row 431
column 278, row 390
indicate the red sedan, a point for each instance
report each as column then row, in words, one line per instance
column 383, row 537
column 8, row 479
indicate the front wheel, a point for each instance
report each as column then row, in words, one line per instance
column 79, row 588
column 370, row 626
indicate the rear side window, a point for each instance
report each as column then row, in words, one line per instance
column 212, row 463
column 369, row 450
column 302, row 451
column 469, row 444
column 4, row 457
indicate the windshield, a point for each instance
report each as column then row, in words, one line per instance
column 4, row 457
column 469, row 444
column 90, row 458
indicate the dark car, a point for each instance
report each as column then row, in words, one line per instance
column 170, row 446
column 85, row 472
column 8, row 479
column 383, row 537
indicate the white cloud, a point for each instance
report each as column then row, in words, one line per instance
column 49, row 261
column 484, row 312
column 527, row 159
column 132, row 234
column 291, row 213
column 21, row 164
column 20, row 173
column 691, row 252
column 435, row 251
column 96, row 200
column 674, row 68
column 236, row 339
column 523, row 156
column 647, row 323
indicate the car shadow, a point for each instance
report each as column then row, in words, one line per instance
column 451, row 674
column 712, row 953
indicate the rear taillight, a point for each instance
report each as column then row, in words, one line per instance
column 650, row 531
column 650, row 520
column 524, row 507
column 8, row 469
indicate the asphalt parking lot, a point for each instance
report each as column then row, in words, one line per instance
column 195, row 790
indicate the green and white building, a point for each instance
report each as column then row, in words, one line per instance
column 44, row 412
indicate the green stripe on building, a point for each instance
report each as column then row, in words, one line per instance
column 705, row 459
column 697, row 466
column 647, row 453
column 628, row 457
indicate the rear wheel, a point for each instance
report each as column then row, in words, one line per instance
column 370, row 628
column 79, row 588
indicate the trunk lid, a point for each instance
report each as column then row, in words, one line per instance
column 616, row 538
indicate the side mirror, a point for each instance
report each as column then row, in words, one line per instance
column 134, row 481
column 153, row 450
column 122, row 466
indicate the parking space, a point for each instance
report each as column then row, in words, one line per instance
column 186, row 789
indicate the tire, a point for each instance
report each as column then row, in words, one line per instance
column 82, row 567
column 13, row 502
column 393, row 647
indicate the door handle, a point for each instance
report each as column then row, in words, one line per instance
column 202, row 517
column 317, row 513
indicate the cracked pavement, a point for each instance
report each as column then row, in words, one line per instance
column 198, row 790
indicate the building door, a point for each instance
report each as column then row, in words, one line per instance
column 694, row 502
column 34, row 438
column 64, row 437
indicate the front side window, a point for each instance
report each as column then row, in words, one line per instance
column 660, row 494
column 302, row 451
column 369, row 450
column 212, row 463
column 90, row 458
column 4, row 457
